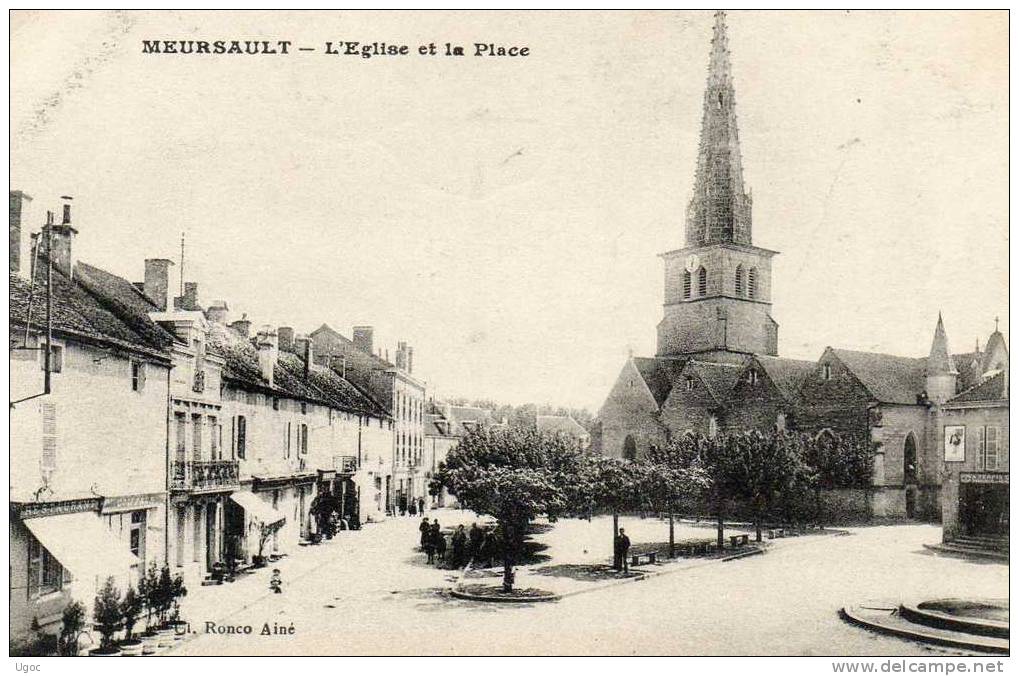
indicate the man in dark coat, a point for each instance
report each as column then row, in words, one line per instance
column 459, row 546
column 424, row 530
column 476, row 536
column 622, row 549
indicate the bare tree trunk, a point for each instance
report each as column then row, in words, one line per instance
column 721, row 531
column 616, row 563
column 758, row 524
column 507, row 574
column 672, row 535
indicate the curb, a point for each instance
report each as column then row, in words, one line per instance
column 851, row 615
column 508, row 599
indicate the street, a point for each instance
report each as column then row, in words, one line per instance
column 371, row 593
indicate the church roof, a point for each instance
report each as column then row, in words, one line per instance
column 888, row 378
column 718, row 377
column 787, row 374
column 968, row 364
column 659, row 373
column 994, row 387
column 995, row 342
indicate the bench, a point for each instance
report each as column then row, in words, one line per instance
column 651, row 557
column 738, row 540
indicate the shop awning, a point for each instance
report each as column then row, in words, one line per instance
column 83, row 545
column 258, row 510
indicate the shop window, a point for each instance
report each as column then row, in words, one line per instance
column 45, row 574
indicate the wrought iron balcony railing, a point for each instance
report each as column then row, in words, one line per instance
column 345, row 464
column 201, row 475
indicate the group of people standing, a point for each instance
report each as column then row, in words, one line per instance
column 477, row 544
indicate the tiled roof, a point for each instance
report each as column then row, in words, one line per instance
column 889, row 379
column 991, row 388
column 88, row 310
column 322, row 386
column 719, row 378
column 561, row 423
column 787, row 374
column 333, row 333
column 659, row 373
column 968, row 366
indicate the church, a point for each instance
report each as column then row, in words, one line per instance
column 717, row 366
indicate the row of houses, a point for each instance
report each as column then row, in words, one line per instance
column 148, row 428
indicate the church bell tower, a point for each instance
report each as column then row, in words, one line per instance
column 718, row 286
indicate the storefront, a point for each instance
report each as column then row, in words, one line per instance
column 983, row 503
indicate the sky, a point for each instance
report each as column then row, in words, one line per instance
column 504, row 215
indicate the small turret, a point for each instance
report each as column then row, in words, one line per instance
column 941, row 372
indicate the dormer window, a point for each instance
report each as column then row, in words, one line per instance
column 689, row 383
column 826, row 371
column 752, row 377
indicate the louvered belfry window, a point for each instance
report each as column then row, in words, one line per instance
column 49, row 436
column 752, row 284
column 739, row 280
column 686, row 284
column 702, row 282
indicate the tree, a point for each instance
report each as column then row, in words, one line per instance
column 514, row 475
column 131, row 607
column 72, row 627
column 106, row 613
column 148, row 590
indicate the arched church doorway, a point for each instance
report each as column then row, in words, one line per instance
column 630, row 448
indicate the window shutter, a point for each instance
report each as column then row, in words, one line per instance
column 141, row 376
column 49, row 435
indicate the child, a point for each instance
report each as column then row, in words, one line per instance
column 276, row 582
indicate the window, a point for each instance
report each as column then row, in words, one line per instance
column 241, row 436
column 739, row 280
column 826, row 371
column 213, row 439
column 196, row 432
column 712, row 427
column 304, row 407
column 56, row 358
column 987, row 448
column 752, row 377
column 780, row 422
column 180, row 421
column 287, row 445
column 702, row 282
column 752, row 283
column 49, row 436
column 137, row 376
column 45, row 575
column 275, row 403
column 304, row 439
column 138, row 536
column 689, row 383
column 686, row 284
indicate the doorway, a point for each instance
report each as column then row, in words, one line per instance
column 210, row 536
column 983, row 508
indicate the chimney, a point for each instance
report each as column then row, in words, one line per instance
column 363, row 337
column 286, row 336
column 305, row 348
column 410, row 360
column 190, row 295
column 157, row 281
column 19, row 203
column 265, row 341
column 242, row 325
column 218, row 312
column 63, row 241
column 401, row 355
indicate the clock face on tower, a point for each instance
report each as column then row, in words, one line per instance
column 693, row 262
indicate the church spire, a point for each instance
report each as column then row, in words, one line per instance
column 940, row 359
column 720, row 210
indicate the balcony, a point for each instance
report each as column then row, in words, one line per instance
column 204, row 475
column 345, row 464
